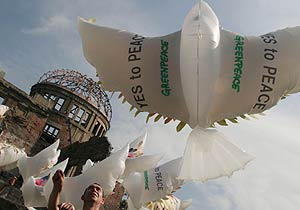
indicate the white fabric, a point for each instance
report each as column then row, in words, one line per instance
column 153, row 184
column 209, row 60
column 141, row 164
column 200, row 36
column 87, row 165
column 136, row 148
column 3, row 110
column 203, row 88
column 218, row 157
column 133, row 73
column 170, row 202
column 105, row 173
column 199, row 75
column 9, row 155
column 33, row 193
column 34, row 166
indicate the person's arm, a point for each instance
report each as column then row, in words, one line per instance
column 58, row 182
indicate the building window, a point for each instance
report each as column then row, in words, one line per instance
column 95, row 129
column 59, row 104
column 49, row 96
column 79, row 115
column 73, row 111
column 53, row 97
column 100, row 131
column 86, row 119
column 51, row 130
column 46, row 96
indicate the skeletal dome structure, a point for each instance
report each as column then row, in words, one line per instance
column 79, row 108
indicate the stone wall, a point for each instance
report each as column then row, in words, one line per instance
column 22, row 132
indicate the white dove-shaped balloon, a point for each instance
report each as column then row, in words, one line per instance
column 153, row 184
column 105, row 173
column 199, row 75
column 34, row 166
column 9, row 156
column 32, row 189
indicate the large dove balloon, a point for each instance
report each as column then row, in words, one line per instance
column 199, row 75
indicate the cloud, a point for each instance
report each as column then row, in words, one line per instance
column 57, row 23
column 270, row 182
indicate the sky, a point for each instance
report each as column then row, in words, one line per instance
column 39, row 36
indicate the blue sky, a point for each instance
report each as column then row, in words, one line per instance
column 38, row 36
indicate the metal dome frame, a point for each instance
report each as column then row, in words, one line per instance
column 80, row 84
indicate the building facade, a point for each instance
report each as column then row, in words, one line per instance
column 65, row 105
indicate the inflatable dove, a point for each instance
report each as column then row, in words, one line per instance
column 105, row 173
column 136, row 161
column 141, row 164
column 199, row 75
column 34, row 166
column 33, row 188
column 136, row 148
column 153, row 184
column 9, row 156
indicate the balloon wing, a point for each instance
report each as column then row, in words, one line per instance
column 9, row 155
column 141, row 164
column 105, row 173
column 88, row 164
column 136, row 148
column 145, row 70
column 34, row 166
column 153, row 184
column 32, row 188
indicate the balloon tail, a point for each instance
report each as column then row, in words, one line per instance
column 208, row 155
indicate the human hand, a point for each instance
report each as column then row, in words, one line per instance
column 58, row 180
column 12, row 181
column 66, row 206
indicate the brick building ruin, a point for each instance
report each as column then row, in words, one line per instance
column 63, row 104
